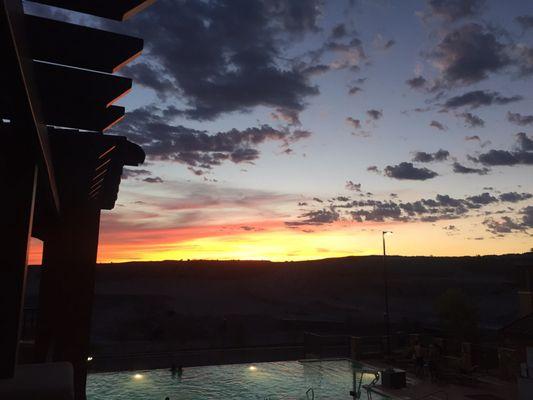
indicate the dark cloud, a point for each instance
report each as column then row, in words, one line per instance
column 381, row 43
column 525, row 21
column 423, row 157
column 441, row 207
column 519, row 119
column 407, row 171
column 504, row 225
column 525, row 60
column 522, row 155
column 339, row 31
column 478, row 98
column 389, row 43
column 354, row 123
column 418, row 82
column 223, row 55
column 472, row 121
column 380, row 212
column 291, row 117
column 356, row 187
column 152, row 128
column 524, row 142
column 374, row 114
column 133, row 173
column 527, row 217
column 438, row 125
column 346, row 54
column 156, row 179
column 483, row 198
column 295, row 16
column 319, row 217
column 317, row 69
column 354, row 90
column 342, row 198
column 514, row 197
column 450, row 228
column 507, row 224
column 461, row 169
column 453, row 10
column 503, row 157
column 469, row 54
column 476, row 138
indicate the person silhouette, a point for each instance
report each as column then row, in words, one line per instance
column 173, row 370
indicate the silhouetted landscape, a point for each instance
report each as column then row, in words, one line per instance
column 169, row 305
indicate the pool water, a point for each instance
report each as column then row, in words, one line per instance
column 265, row 381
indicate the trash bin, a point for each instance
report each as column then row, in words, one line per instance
column 393, row 378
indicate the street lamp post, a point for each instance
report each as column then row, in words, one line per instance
column 386, row 290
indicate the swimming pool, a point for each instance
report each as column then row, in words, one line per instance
column 273, row 381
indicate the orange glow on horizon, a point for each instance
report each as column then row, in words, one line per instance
column 272, row 240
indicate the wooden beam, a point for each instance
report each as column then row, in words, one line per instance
column 119, row 10
column 19, row 91
column 59, row 85
column 79, row 46
column 90, row 118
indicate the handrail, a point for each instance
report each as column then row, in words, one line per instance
column 433, row 393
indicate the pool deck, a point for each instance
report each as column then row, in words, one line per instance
column 481, row 388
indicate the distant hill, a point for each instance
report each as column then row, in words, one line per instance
column 194, row 304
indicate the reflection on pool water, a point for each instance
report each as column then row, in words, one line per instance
column 272, row 381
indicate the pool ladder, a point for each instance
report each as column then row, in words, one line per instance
column 309, row 395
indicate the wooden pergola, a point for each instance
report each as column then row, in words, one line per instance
column 58, row 168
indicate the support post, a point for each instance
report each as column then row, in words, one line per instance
column 67, row 292
column 19, row 181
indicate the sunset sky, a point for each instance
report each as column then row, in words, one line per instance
column 299, row 129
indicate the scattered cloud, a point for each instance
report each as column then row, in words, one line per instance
column 381, row 43
column 459, row 168
column 470, row 53
column 151, row 127
column 454, row 10
column 319, row 217
column 356, row 187
column 353, row 90
column 156, row 179
column 514, row 197
column 525, row 21
column 472, row 121
column 519, row 119
column 478, row 98
column 523, row 155
column 134, row 173
column 423, row 157
column 354, row 123
column 339, row 31
column 407, row 171
column 418, row 82
column 374, row 114
column 438, row 125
